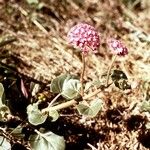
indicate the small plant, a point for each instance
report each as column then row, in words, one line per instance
column 70, row 90
column 71, row 87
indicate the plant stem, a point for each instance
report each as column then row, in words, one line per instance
column 55, row 98
column 61, row 106
column 92, row 94
column 72, row 102
column 109, row 69
column 82, row 74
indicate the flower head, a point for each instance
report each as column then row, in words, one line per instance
column 117, row 47
column 84, row 36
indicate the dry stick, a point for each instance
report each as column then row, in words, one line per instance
column 34, row 21
column 7, row 40
column 109, row 70
column 39, row 26
column 82, row 74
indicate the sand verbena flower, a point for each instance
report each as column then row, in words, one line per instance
column 85, row 37
column 117, row 47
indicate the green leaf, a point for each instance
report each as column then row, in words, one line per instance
column 1, row 94
column 53, row 114
column 4, row 111
column 35, row 116
column 145, row 106
column 71, row 89
column 4, row 144
column 67, row 85
column 91, row 110
column 32, row 2
column 57, row 83
column 17, row 132
column 47, row 141
column 40, row 6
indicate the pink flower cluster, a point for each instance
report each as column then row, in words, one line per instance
column 85, row 37
column 117, row 47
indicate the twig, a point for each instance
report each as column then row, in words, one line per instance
column 7, row 40
column 39, row 26
column 5, row 135
column 34, row 21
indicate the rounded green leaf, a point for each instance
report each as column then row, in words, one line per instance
column 71, row 89
column 67, row 85
column 57, row 83
column 47, row 141
column 91, row 110
column 4, row 143
column 53, row 114
column 35, row 116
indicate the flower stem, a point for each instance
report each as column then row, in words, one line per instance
column 61, row 106
column 109, row 69
column 55, row 98
column 72, row 102
column 92, row 94
column 82, row 74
